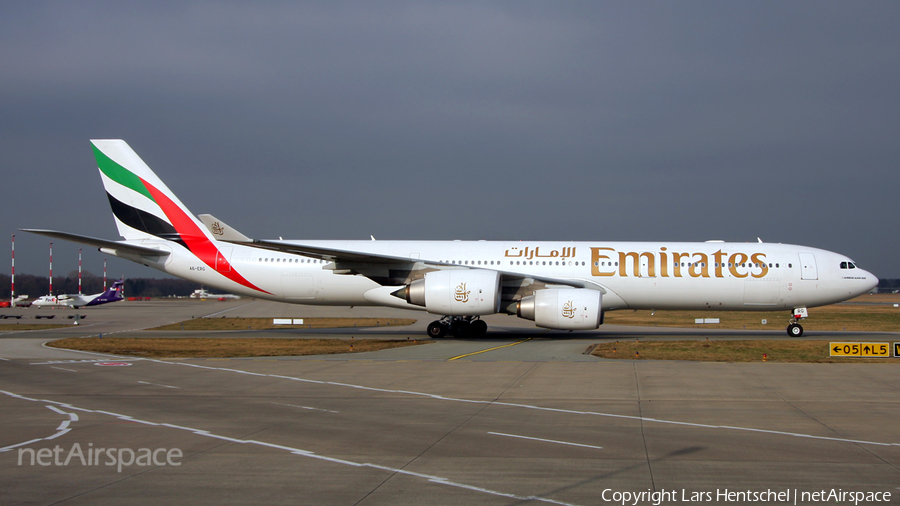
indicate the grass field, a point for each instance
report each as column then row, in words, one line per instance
column 877, row 315
column 225, row 347
column 782, row 350
column 267, row 323
column 853, row 317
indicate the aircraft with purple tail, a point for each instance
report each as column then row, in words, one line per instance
column 113, row 294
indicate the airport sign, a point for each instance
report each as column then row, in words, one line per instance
column 864, row 350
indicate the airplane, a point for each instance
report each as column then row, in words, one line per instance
column 558, row 285
column 113, row 294
column 19, row 301
column 201, row 293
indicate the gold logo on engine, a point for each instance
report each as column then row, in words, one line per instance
column 461, row 294
column 568, row 309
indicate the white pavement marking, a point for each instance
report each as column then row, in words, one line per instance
column 227, row 310
column 304, row 407
column 86, row 361
column 546, row 440
column 62, row 429
column 62, row 369
column 156, row 384
column 44, row 345
column 524, row 406
column 294, row 451
column 541, row 408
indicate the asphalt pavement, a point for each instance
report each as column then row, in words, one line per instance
column 522, row 416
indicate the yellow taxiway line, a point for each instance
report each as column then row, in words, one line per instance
column 490, row 349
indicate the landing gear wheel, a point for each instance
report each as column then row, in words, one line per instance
column 478, row 328
column 436, row 330
column 794, row 330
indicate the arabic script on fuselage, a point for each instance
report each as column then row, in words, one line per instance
column 528, row 253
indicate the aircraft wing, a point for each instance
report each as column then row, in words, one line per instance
column 99, row 243
column 386, row 269
column 328, row 254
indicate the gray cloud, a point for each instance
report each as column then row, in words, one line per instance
column 458, row 120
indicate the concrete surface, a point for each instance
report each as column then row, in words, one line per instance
column 531, row 421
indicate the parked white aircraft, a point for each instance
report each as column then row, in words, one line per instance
column 201, row 293
column 113, row 294
column 558, row 285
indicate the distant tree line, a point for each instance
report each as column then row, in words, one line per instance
column 888, row 285
column 35, row 286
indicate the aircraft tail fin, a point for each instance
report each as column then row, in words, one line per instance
column 143, row 206
column 116, row 291
column 112, row 294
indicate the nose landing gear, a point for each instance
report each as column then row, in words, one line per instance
column 794, row 329
column 459, row 326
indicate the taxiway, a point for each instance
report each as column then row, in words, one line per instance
column 521, row 416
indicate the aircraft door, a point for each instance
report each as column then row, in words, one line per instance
column 808, row 268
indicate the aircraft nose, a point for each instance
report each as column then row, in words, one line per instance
column 872, row 280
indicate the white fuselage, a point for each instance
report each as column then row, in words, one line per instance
column 50, row 301
column 633, row 275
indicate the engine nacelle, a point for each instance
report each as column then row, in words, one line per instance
column 457, row 292
column 563, row 308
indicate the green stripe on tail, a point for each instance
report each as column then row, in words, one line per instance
column 120, row 174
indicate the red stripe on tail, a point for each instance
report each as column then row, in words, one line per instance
column 196, row 240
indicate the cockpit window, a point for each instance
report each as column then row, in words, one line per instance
column 848, row 265
column 843, row 265
column 852, row 265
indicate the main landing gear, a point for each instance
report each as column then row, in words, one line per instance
column 459, row 326
column 794, row 329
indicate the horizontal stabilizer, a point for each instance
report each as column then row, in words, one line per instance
column 222, row 231
column 99, row 243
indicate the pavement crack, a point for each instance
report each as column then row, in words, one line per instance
column 637, row 385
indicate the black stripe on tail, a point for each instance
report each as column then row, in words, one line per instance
column 143, row 221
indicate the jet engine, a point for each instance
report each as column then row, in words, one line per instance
column 563, row 308
column 456, row 292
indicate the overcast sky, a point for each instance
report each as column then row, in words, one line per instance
column 663, row 121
